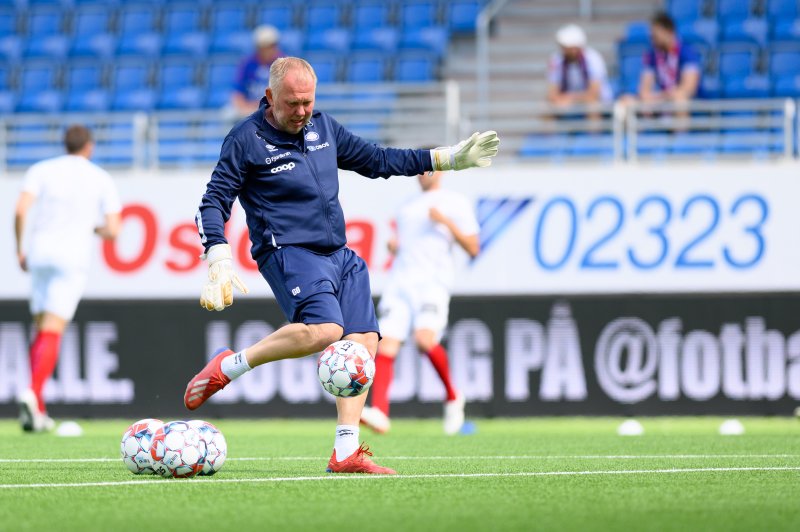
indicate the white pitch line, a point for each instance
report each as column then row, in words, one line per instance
column 401, row 477
column 477, row 457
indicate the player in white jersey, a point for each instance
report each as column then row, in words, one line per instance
column 430, row 230
column 72, row 199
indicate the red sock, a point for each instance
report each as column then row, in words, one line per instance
column 43, row 358
column 438, row 357
column 384, row 373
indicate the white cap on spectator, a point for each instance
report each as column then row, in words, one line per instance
column 571, row 36
column 266, row 35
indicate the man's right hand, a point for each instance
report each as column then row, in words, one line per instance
column 23, row 261
column 218, row 291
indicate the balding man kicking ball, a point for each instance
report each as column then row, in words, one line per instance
column 282, row 163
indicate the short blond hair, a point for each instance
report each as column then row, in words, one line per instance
column 282, row 66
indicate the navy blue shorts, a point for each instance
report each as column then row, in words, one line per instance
column 313, row 288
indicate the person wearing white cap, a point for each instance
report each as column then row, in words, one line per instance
column 253, row 75
column 577, row 73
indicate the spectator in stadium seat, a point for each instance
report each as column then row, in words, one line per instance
column 253, row 76
column 671, row 69
column 577, row 73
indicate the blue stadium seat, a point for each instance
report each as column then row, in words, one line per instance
column 92, row 100
column 786, row 86
column 331, row 39
column 637, row 32
column 415, row 68
column 783, row 9
column 50, row 46
column 653, row 144
column 291, row 41
column 786, row 30
column 40, row 101
column 228, row 18
column 757, row 143
column 755, row 30
column 366, row 69
column 462, row 15
column 37, row 77
column 8, row 22
column 731, row 10
column 783, row 63
column 83, row 77
column 752, row 86
column 544, row 146
column 100, row 45
column 370, row 15
column 433, row 39
column 418, row 14
column 703, row 31
column 692, row 143
column 10, row 48
column 592, row 145
column 736, row 63
column 140, row 44
column 710, row 86
column 182, row 19
column 173, row 75
column 685, row 10
column 631, row 69
column 140, row 99
column 137, row 19
column 380, row 38
column 326, row 67
column 280, row 16
column 220, row 73
column 5, row 77
column 8, row 101
column 321, row 16
column 234, row 42
column 181, row 98
column 217, row 97
column 44, row 22
column 134, row 75
column 91, row 21
column 194, row 44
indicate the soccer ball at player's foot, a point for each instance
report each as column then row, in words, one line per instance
column 216, row 446
column 346, row 369
column 178, row 450
column 135, row 446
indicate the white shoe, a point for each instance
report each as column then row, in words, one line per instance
column 376, row 420
column 454, row 415
column 29, row 416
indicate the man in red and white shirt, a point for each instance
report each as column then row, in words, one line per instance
column 73, row 200
column 431, row 228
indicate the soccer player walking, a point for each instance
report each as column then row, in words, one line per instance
column 430, row 229
column 70, row 194
column 282, row 163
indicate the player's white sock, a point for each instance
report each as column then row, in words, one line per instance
column 235, row 365
column 346, row 441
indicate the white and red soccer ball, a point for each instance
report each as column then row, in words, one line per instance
column 346, row 369
column 178, row 450
column 216, row 446
column 135, row 446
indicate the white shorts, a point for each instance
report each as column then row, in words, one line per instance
column 407, row 307
column 56, row 291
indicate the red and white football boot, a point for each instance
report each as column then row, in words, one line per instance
column 207, row 382
column 358, row 462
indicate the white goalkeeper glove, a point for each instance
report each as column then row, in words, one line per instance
column 474, row 151
column 218, row 291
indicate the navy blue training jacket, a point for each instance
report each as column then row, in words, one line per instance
column 288, row 184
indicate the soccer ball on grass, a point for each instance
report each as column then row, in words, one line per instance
column 135, row 446
column 178, row 450
column 216, row 446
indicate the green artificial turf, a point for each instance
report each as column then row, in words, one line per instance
column 549, row 474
